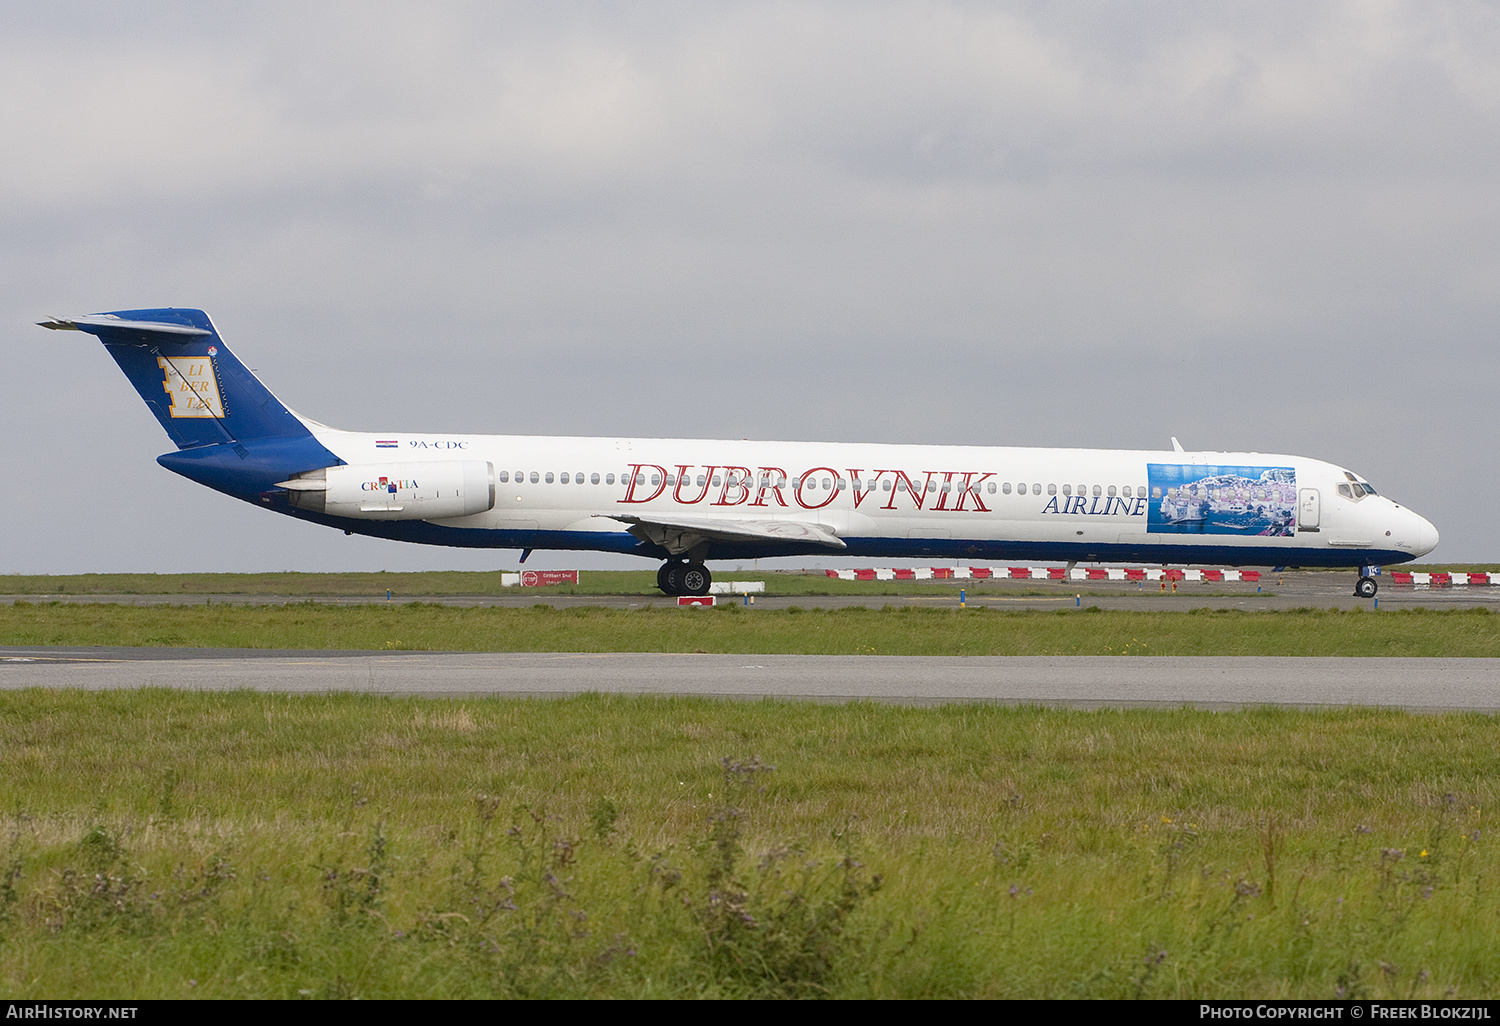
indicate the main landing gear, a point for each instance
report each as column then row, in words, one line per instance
column 683, row 577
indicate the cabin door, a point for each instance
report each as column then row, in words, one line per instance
column 1308, row 507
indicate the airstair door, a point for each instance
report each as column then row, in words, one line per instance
column 1308, row 507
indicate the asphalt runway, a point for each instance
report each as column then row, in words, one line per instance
column 1215, row 682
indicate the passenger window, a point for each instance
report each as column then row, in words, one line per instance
column 1067, row 489
column 671, row 480
column 885, row 486
column 827, row 484
column 1141, row 491
column 609, row 479
column 549, row 477
column 1052, row 490
column 1156, row 493
column 716, row 481
column 932, row 486
column 1005, row 487
column 1096, row 491
column 992, row 488
column 1125, row 490
column 1036, row 489
column 901, row 486
column 1020, row 488
column 655, row 480
column 504, row 477
column 593, row 479
column 563, row 479
column 702, row 481
column 1110, row 493
column 535, row 477
column 578, row 479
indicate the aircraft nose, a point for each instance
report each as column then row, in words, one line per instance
column 1427, row 536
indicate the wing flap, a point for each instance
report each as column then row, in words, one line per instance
column 680, row 535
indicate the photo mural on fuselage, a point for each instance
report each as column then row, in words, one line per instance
column 1199, row 499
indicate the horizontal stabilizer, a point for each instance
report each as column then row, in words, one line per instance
column 679, row 535
column 100, row 324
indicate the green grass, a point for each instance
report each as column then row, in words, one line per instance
column 458, row 582
column 735, row 629
column 168, row 844
column 432, row 584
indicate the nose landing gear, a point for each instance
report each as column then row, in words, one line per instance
column 683, row 577
column 1366, row 587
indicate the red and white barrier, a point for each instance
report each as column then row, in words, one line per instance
column 1077, row 573
column 1437, row 579
column 1206, row 575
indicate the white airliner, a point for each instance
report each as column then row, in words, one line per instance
column 685, row 501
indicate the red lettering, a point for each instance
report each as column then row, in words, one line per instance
column 773, row 479
column 737, row 478
column 972, row 488
column 833, row 493
column 944, row 490
column 636, row 477
column 919, row 495
column 682, row 475
column 855, row 480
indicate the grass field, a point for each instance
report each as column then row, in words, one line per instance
column 454, row 582
column 159, row 844
column 166, row 844
column 734, row 629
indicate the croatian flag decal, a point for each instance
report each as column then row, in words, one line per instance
column 385, row 443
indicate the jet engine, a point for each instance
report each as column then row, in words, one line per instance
column 431, row 490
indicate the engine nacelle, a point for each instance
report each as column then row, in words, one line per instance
column 431, row 490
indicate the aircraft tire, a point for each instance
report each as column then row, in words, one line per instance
column 673, row 578
column 661, row 577
column 1366, row 588
column 695, row 579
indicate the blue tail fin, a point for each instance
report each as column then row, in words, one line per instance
column 199, row 391
column 232, row 434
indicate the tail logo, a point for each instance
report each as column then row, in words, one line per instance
column 192, row 385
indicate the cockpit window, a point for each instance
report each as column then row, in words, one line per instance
column 1345, row 490
column 1368, row 487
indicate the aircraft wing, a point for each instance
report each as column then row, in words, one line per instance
column 679, row 535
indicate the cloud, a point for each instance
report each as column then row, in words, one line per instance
column 1051, row 224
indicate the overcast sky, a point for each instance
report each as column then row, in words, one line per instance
column 1256, row 226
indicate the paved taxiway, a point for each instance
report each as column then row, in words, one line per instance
column 1292, row 589
column 1075, row 681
